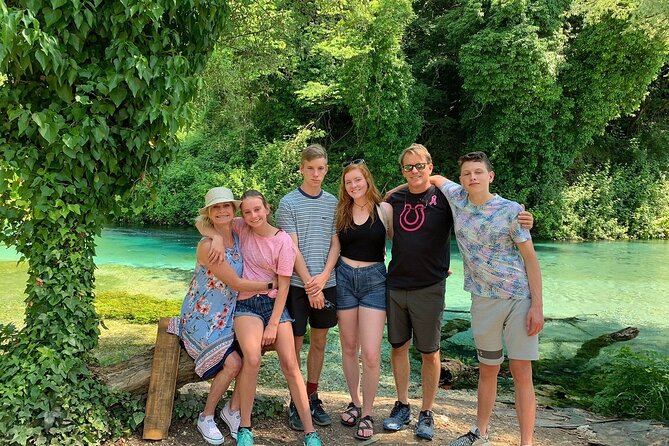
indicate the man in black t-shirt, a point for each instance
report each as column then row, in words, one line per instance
column 422, row 222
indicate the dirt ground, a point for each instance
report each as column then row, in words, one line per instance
column 455, row 410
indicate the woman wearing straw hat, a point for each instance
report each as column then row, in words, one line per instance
column 206, row 322
column 261, row 318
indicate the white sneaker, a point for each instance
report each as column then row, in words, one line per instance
column 231, row 418
column 209, row 430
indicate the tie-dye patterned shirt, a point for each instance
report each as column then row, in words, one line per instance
column 487, row 235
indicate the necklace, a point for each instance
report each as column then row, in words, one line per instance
column 361, row 207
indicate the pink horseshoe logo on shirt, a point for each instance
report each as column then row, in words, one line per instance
column 412, row 217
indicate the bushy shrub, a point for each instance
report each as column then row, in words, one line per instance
column 635, row 384
column 589, row 207
column 206, row 162
column 48, row 400
column 189, row 404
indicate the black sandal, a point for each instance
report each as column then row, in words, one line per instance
column 365, row 424
column 353, row 412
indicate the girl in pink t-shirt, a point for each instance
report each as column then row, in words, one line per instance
column 262, row 319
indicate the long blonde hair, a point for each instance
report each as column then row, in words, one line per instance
column 344, row 215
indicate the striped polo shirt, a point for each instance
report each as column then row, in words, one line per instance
column 312, row 218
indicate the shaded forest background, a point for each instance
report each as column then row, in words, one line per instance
column 569, row 98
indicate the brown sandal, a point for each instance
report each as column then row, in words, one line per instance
column 353, row 412
column 365, row 424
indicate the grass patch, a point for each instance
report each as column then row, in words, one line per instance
column 122, row 340
column 162, row 282
column 138, row 308
column 13, row 279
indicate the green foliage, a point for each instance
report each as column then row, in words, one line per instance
column 533, row 83
column 138, row 308
column 634, row 384
column 590, row 208
column 7, row 336
column 618, row 185
column 46, row 397
column 189, row 404
column 268, row 406
column 274, row 172
column 332, row 72
column 94, row 95
column 375, row 81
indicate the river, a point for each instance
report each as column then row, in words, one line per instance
column 608, row 285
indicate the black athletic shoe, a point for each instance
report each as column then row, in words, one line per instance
column 399, row 416
column 294, row 421
column 318, row 415
column 425, row 425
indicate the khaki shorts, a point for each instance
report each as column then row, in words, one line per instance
column 417, row 314
column 494, row 319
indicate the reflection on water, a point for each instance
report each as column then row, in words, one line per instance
column 610, row 285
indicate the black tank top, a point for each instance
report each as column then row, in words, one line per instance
column 365, row 242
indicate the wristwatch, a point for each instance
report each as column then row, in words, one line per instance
column 270, row 286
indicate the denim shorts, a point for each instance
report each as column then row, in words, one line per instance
column 260, row 306
column 361, row 287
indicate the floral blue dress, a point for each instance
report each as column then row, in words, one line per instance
column 205, row 324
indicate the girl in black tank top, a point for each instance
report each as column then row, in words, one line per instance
column 362, row 221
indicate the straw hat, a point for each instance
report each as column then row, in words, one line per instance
column 219, row 195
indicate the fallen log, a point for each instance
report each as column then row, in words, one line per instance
column 133, row 375
column 590, row 349
column 454, row 371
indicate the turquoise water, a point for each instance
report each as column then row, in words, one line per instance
column 609, row 285
column 151, row 248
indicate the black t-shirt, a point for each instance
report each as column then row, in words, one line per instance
column 365, row 242
column 422, row 225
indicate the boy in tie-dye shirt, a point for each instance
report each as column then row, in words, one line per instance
column 502, row 273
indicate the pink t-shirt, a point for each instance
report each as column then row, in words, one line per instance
column 264, row 256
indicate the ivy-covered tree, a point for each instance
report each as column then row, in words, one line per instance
column 94, row 94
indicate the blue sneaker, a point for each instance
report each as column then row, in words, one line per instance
column 312, row 439
column 244, row 437
column 399, row 416
column 425, row 425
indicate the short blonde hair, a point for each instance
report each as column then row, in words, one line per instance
column 204, row 215
column 314, row 151
column 415, row 149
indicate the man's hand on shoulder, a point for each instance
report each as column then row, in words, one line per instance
column 525, row 218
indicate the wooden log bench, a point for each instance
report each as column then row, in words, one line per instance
column 156, row 373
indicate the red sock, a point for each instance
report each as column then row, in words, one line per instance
column 311, row 388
